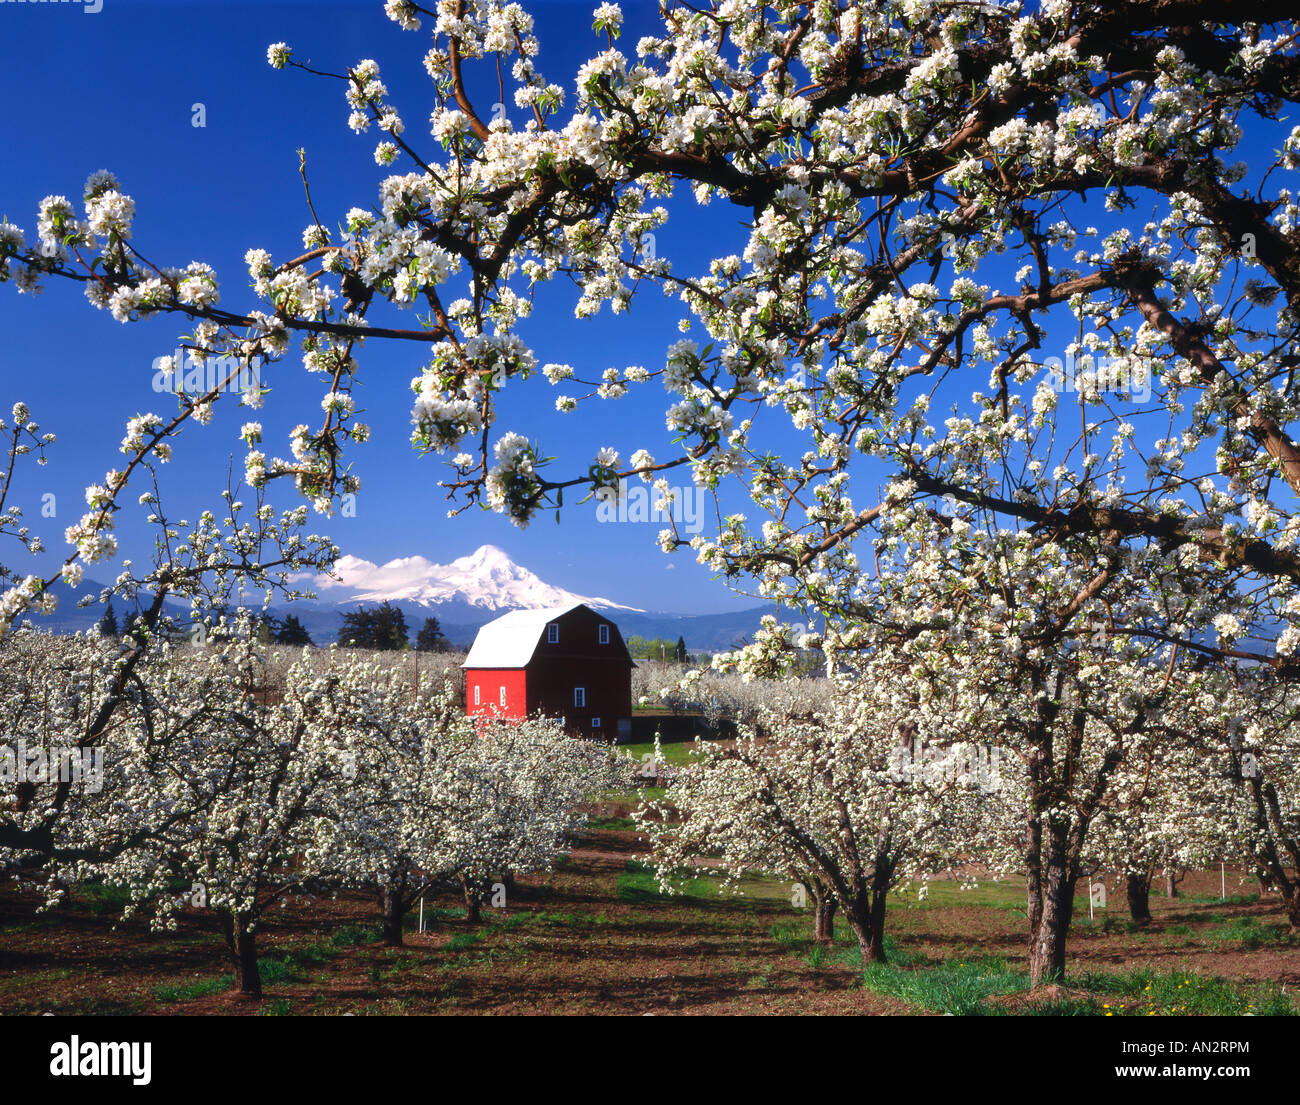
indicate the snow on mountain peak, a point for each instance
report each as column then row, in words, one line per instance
column 486, row 578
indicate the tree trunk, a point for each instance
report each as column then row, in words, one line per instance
column 1139, row 898
column 241, row 941
column 473, row 904
column 393, row 904
column 880, row 880
column 872, row 949
column 867, row 920
column 1291, row 899
column 1051, row 906
column 1047, row 944
column 824, row 919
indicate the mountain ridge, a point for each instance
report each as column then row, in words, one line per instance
column 463, row 595
column 486, row 578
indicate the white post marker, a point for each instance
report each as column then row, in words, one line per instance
column 421, row 912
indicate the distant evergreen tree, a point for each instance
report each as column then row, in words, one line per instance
column 431, row 638
column 108, row 626
column 134, row 625
column 292, row 632
column 380, row 627
column 681, row 650
column 265, row 629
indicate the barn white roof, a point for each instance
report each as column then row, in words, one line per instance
column 510, row 640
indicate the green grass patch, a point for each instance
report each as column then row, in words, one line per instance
column 639, row 883
column 620, row 824
column 1008, row 894
column 1247, row 933
column 796, row 937
column 675, row 753
column 461, row 941
column 1214, row 899
column 553, row 919
column 349, row 936
column 1143, row 992
column 169, row 995
column 961, row 988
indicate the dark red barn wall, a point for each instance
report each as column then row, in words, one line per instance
column 579, row 659
column 607, row 681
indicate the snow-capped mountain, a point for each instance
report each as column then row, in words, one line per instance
column 486, row 579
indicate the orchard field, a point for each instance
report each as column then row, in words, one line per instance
column 595, row 936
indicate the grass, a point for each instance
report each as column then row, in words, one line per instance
column 966, row 988
column 461, row 941
column 620, row 824
column 351, row 935
column 1214, row 899
column 796, row 937
column 553, row 919
column 106, row 897
column 1248, row 933
column 675, row 753
column 289, row 967
column 168, row 995
column 1008, row 894
column 638, row 883
column 1183, row 993
column 960, row 989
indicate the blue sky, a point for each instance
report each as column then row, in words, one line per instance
column 121, row 98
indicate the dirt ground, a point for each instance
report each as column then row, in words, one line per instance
column 593, row 936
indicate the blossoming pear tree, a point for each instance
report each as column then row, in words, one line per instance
column 1249, row 726
column 1047, row 650
column 432, row 798
column 846, row 803
column 208, row 562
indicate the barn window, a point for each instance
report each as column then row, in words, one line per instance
column 595, row 723
column 552, row 633
column 604, row 634
column 580, row 696
column 503, row 696
column 477, row 690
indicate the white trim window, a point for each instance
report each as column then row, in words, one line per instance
column 553, row 633
column 603, row 634
column 503, row 695
column 580, row 696
column 478, row 691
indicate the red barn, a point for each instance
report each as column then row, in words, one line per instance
column 568, row 662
